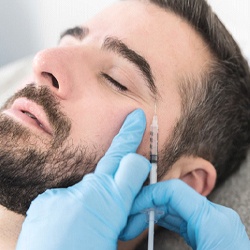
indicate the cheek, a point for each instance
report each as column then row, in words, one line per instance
column 98, row 123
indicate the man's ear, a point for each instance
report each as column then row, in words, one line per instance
column 197, row 172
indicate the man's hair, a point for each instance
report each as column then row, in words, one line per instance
column 215, row 118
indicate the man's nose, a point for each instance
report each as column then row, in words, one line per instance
column 53, row 68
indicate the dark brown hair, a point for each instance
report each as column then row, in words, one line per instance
column 215, row 120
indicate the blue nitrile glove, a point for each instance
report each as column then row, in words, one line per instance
column 92, row 213
column 203, row 224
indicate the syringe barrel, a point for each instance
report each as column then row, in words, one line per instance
column 154, row 141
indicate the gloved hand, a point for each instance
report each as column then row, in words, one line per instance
column 92, row 213
column 203, row 224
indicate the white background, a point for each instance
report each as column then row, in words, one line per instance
column 27, row 26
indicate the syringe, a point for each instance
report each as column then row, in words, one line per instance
column 153, row 175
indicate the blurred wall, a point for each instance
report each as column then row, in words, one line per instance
column 27, row 26
column 235, row 14
column 17, row 32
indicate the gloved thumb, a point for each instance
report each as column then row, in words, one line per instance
column 126, row 141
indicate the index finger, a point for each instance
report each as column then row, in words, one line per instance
column 126, row 141
column 177, row 197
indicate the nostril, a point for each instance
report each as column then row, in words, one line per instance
column 53, row 79
column 54, row 82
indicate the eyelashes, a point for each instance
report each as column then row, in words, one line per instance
column 114, row 83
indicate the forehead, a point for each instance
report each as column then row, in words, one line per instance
column 167, row 42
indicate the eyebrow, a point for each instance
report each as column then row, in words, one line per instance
column 117, row 46
column 121, row 49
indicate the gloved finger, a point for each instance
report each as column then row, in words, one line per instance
column 130, row 176
column 178, row 198
column 172, row 223
column 136, row 224
column 126, row 141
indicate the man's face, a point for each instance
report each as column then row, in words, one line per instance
column 84, row 65
column 129, row 56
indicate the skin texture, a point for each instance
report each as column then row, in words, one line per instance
column 96, row 108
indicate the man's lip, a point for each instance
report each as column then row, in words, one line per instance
column 29, row 112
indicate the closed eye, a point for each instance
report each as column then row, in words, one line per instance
column 116, row 84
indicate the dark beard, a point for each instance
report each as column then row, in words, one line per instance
column 27, row 170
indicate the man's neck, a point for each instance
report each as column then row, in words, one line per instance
column 10, row 227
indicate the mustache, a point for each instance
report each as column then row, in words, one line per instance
column 43, row 96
